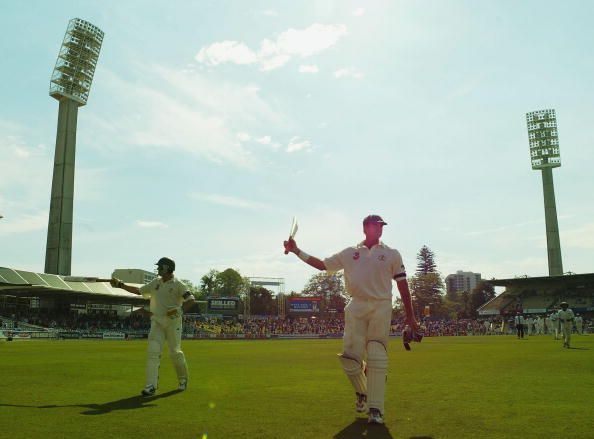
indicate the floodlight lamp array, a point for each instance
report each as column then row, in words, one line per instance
column 77, row 59
column 543, row 139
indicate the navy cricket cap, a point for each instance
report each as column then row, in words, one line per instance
column 374, row 219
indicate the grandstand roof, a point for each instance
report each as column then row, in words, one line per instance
column 574, row 280
column 22, row 283
column 557, row 286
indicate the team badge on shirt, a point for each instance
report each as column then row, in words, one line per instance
column 381, row 258
column 356, row 255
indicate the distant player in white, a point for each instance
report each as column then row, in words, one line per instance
column 566, row 317
column 529, row 326
column 579, row 324
column 519, row 322
column 555, row 322
column 487, row 324
column 168, row 298
column 539, row 325
column 549, row 325
column 369, row 269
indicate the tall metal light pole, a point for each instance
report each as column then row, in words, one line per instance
column 70, row 85
column 544, row 152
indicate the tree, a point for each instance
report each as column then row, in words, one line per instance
column 325, row 285
column 261, row 301
column 480, row 295
column 330, row 287
column 194, row 289
column 426, row 289
column 208, row 283
column 224, row 283
column 426, row 261
column 426, row 285
column 465, row 312
column 230, row 283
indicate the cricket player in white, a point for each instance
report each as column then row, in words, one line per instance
column 539, row 325
column 579, row 324
column 565, row 316
column 168, row 298
column 519, row 322
column 549, row 324
column 555, row 322
column 369, row 268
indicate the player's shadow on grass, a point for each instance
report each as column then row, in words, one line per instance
column 134, row 402
column 360, row 429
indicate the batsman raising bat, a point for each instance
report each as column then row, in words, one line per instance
column 168, row 298
column 369, row 268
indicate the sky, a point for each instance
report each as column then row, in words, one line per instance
column 211, row 124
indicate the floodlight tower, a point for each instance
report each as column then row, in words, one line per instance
column 70, row 85
column 544, row 152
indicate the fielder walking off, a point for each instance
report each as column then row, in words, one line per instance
column 519, row 322
column 168, row 297
column 565, row 316
column 369, row 268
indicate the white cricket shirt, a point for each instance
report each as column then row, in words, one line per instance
column 368, row 273
column 164, row 295
column 565, row 316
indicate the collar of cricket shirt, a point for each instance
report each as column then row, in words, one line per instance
column 169, row 280
column 380, row 244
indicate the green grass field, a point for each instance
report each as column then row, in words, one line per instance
column 448, row 387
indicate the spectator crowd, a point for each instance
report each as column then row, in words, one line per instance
column 256, row 326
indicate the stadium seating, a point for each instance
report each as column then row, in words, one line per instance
column 537, row 302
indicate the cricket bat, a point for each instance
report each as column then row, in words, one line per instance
column 84, row 279
column 293, row 231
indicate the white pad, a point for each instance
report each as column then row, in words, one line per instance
column 377, row 368
column 355, row 371
column 152, row 363
column 179, row 363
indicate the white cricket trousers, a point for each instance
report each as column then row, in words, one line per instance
column 566, row 328
column 170, row 330
column 366, row 334
column 365, row 320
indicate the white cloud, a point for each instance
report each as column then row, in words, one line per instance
column 24, row 173
column 265, row 140
column 269, row 13
column 359, row 12
column 186, row 111
column 23, row 223
column 505, row 228
column 581, row 237
column 226, row 51
column 225, row 200
column 296, row 144
column 243, row 137
column 273, row 54
column 308, row 69
column 348, row 73
column 151, row 224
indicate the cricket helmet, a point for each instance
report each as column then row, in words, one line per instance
column 167, row 264
column 564, row 304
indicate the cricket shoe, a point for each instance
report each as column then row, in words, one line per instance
column 361, row 403
column 148, row 390
column 375, row 416
column 183, row 384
